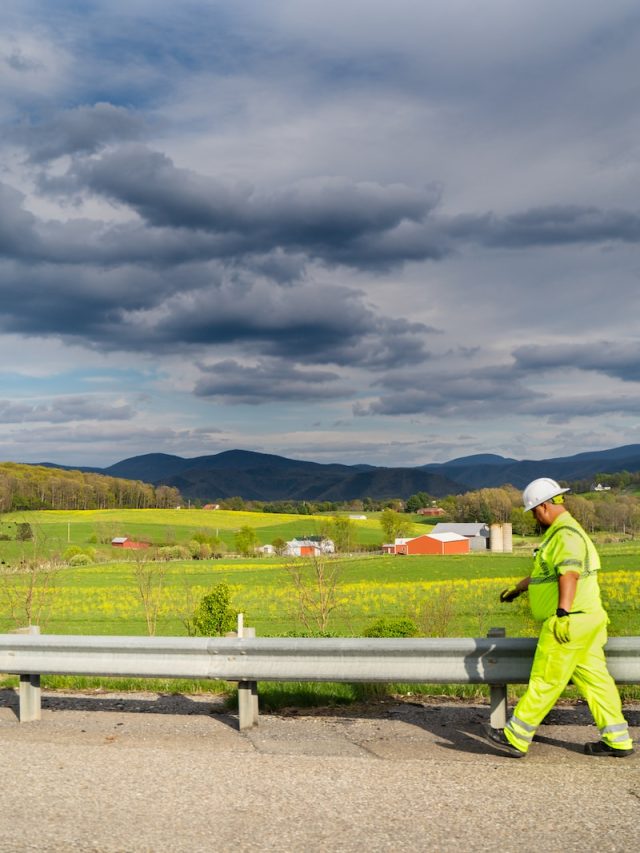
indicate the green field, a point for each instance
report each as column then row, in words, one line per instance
column 102, row 597
column 55, row 530
column 445, row 596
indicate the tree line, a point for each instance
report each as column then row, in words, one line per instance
column 31, row 487
column 617, row 512
column 306, row 507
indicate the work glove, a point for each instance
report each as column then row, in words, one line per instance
column 561, row 627
column 509, row 595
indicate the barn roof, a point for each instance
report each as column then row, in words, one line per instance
column 461, row 528
column 447, row 537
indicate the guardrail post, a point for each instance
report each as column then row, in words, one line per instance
column 247, row 690
column 497, row 692
column 30, row 694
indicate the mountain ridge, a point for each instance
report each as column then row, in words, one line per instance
column 268, row 477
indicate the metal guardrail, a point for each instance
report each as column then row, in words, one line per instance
column 492, row 660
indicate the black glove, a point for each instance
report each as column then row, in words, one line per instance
column 509, row 595
column 561, row 626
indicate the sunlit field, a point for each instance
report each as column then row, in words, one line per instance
column 460, row 592
column 55, row 530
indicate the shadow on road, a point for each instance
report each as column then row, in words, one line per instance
column 156, row 703
column 451, row 725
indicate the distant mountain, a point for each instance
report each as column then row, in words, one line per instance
column 488, row 470
column 477, row 459
column 267, row 477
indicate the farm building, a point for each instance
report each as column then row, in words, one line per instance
column 125, row 542
column 430, row 543
column 431, row 511
column 311, row 547
column 477, row 534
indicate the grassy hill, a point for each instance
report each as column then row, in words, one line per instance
column 54, row 530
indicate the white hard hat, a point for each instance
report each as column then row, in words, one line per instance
column 539, row 491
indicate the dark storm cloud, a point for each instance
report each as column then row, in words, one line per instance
column 500, row 390
column 93, row 244
column 621, row 361
column 231, row 382
column 62, row 410
column 444, row 394
column 548, row 226
column 83, row 303
column 562, row 409
column 310, row 323
column 137, row 309
column 335, row 219
column 189, row 216
column 84, row 129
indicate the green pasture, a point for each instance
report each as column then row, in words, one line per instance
column 54, row 531
column 461, row 591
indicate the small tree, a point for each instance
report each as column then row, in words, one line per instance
column 28, row 589
column 246, row 541
column 279, row 545
column 316, row 583
column 214, row 615
column 393, row 524
column 343, row 532
column 149, row 578
column 435, row 615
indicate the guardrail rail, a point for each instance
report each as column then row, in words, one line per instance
column 494, row 660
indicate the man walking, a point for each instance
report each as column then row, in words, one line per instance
column 564, row 593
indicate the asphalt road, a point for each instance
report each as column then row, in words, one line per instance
column 104, row 773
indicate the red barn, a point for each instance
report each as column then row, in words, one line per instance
column 432, row 543
column 124, row 542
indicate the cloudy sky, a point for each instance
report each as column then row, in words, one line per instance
column 353, row 231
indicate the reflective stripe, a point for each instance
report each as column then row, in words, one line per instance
column 554, row 578
column 526, row 726
column 519, row 735
column 587, row 558
column 616, row 727
column 620, row 738
column 571, row 563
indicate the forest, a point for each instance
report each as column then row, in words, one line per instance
column 31, row 487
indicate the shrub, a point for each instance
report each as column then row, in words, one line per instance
column 71, row 551
column 174, row 552
column 80, row 560
column 386, row 627
column 214, row 615
column 23, row 531
column 199, row 550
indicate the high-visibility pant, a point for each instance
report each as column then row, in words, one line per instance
column 582, row 660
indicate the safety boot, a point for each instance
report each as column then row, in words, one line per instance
column 497, row 738
column 602, row 748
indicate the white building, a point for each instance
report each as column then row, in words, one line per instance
column 311, row 547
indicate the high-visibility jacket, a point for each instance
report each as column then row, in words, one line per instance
column 565, row 548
